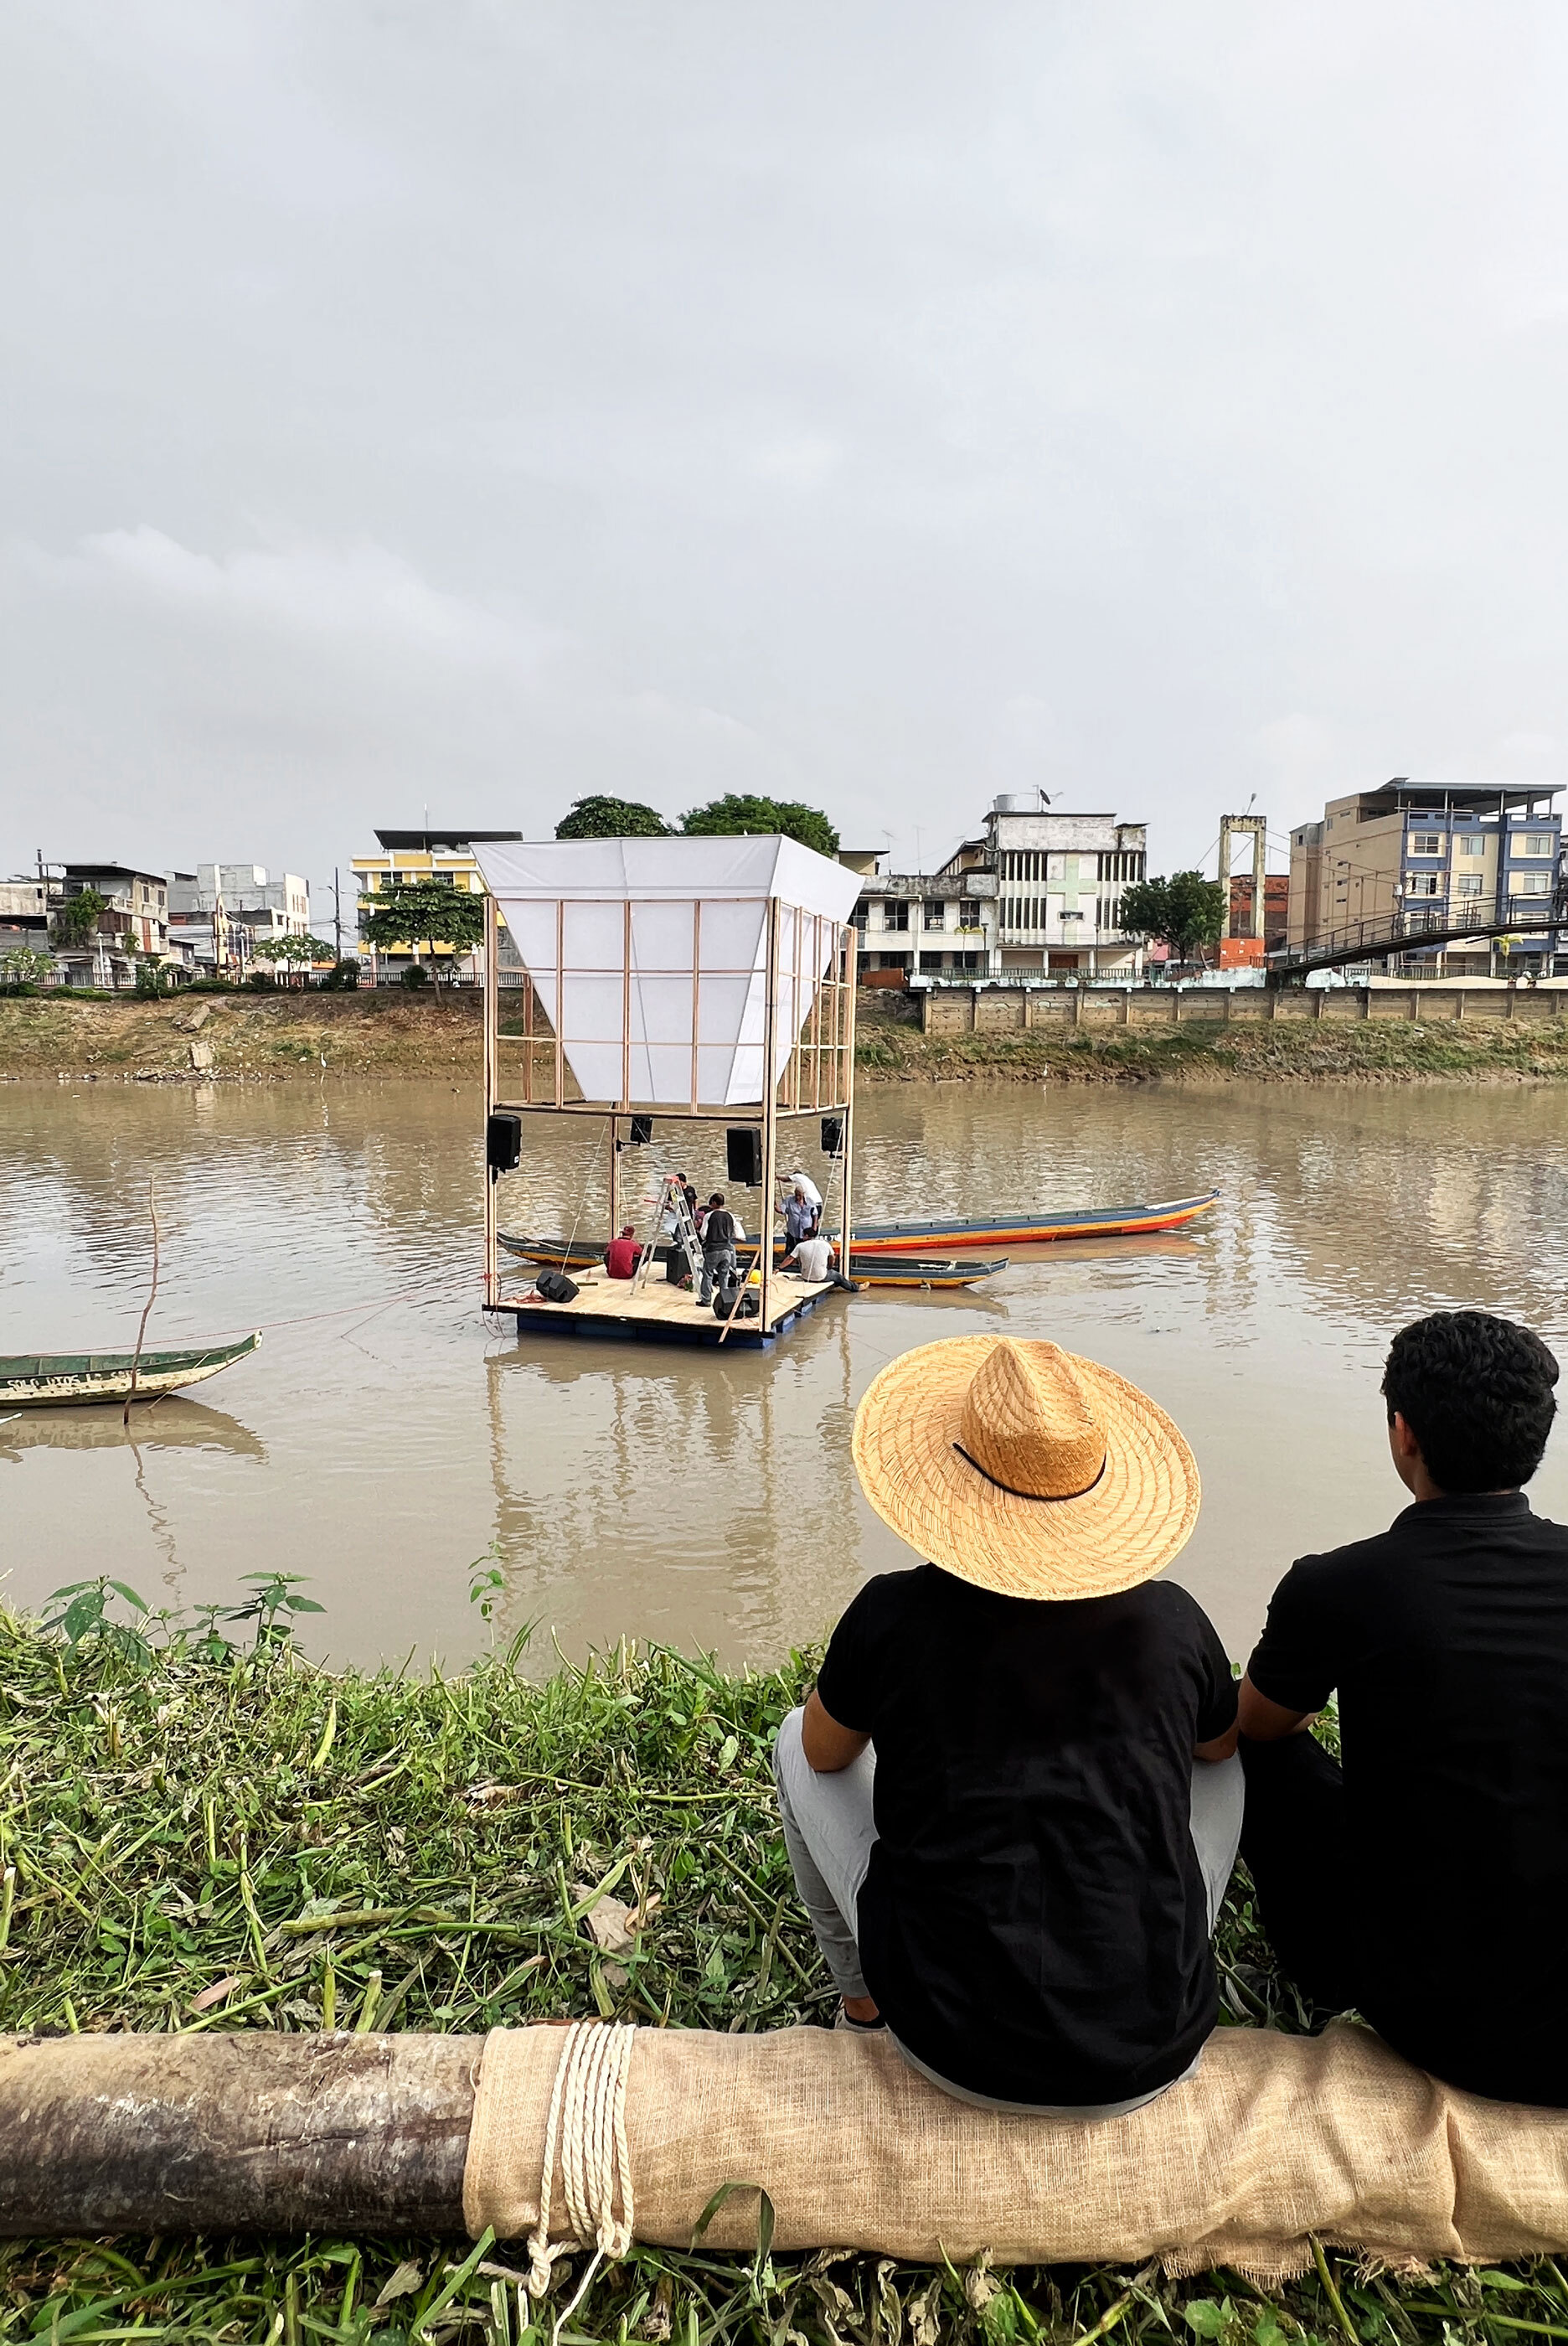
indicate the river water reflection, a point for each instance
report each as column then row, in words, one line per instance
column 386, row 1435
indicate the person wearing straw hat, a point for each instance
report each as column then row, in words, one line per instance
column 1011, row 1803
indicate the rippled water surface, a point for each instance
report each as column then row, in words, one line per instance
column 386, row 1435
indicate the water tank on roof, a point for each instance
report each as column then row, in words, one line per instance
column 1021, row 803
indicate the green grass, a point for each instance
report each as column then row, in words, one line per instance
column 169, row 1825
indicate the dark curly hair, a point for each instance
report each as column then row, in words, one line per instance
column 1476, row 1393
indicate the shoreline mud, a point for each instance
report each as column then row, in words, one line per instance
column 288, row 1037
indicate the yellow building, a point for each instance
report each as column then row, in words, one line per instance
column 408, row 858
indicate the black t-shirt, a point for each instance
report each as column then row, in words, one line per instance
column 718, row 1229
column 1033, row 1924
column 1447, row 1638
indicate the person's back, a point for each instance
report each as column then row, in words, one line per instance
column 813, row 1259
column 1032, row 1922
column 622, row 1254
column 1446, row 1638
column 1011, row 1802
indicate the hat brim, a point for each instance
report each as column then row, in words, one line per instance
column 1137, row 1518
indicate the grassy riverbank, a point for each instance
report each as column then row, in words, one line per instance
column 174, row 1826
column 286, row 1037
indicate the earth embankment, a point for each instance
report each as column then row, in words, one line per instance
column 288, row 1037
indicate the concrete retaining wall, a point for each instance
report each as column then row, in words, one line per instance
column 1002, row 1009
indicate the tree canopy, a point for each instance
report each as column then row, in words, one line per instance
column 1185, row 911
column 605, row 818
column 311, row 949
column 77, row 919
column 426, row 911
column 739, row 814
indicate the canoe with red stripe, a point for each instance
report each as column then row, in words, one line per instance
column 956, row 1234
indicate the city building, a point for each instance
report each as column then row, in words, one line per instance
column 24, row 916
column 203, row 936
column 1477, row 851
column 1034, row 893
column 1244, row 945
column 241, row 900
column 408, row 858
column 133, row 926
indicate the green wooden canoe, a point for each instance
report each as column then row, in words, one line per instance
column 60, row 1380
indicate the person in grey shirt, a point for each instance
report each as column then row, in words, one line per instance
column 718, row 1248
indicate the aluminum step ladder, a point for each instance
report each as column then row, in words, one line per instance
column 672, row 1202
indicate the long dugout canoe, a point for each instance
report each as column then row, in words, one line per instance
column 1026, row 1227
column 67, row 1380
column 865, row 1270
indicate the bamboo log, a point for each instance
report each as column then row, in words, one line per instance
column 248, row 2132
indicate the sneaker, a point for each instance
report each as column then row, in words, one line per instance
column 859, row 2027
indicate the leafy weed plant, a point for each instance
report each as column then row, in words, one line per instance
column 195, row 1836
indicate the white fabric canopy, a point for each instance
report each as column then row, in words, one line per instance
column 650, row 955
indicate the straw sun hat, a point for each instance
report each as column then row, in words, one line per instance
column 1026, row 1469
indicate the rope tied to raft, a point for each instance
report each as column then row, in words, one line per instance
column 586, row 2130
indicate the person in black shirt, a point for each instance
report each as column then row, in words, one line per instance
column 718, row 1248
column 1425, row 1883
column 990, row 1801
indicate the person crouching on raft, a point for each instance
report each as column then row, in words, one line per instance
column 1426, row 1884
column 1011, row 1803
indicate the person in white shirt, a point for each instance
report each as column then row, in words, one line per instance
column 812, row 1259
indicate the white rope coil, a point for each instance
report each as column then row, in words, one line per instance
column 586, row 2130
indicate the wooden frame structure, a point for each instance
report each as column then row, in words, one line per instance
column 526, row 1072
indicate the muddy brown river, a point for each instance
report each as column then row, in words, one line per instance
column 386, row 1437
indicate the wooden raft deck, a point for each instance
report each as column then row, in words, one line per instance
column 661, row 1313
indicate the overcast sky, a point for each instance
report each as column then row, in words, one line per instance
column 474, row 403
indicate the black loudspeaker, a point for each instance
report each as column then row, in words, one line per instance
column 641, row 1131
column 832, row 1135
column 743, row 1156
column 503, row 1143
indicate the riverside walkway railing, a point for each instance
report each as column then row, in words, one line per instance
column 1425, row 926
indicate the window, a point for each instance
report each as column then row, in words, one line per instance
column 893, row 960
column 859, row 918
column 1534, row 842
column 1424, row 883
column 1531, row 883
column 1469, row 883
column 1469, row 842
column 1426, row 843
column 896, row 916
column 1068, row 915
column 935, row 913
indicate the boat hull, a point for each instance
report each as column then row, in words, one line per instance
column 76, row 1380
column 890, row 1270
column 954, row 1235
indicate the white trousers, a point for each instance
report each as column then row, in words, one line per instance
column 829, row 1831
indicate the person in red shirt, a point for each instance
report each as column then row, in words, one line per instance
column 621, row 1255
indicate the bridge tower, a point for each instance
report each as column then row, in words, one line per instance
column 1244, row 826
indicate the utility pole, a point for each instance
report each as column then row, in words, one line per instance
column 338, row 910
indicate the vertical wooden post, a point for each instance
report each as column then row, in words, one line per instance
column 852, row 973
column 492, row 1029
column 769, row 1113
column 615, row 1176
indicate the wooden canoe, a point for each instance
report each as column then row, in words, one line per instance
column 1027, row 1228
column 64, row 1380
column 865, row 1270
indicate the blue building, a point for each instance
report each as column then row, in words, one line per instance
column 1442, row 855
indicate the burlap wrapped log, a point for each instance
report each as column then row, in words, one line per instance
column 1277, row 2138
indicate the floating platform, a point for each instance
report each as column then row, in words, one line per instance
column 660, row 1313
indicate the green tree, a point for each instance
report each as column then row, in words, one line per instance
column 1186, row 913
column 25, row 966
column 602, row 818
column 428, row 912
column 745, row 813
column 78, row 918
column 306, row 951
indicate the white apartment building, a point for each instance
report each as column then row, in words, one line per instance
column 1037, row 893
column 268, row 908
